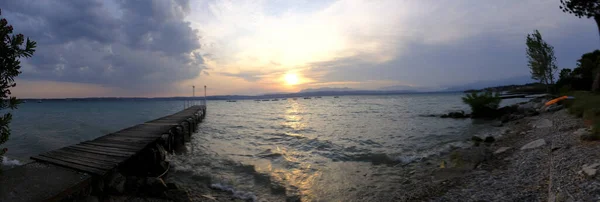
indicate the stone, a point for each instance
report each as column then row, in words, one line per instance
column 590, row 170
column 133, row 183
column 489, row 139
column 528, row 106
column 172, row 186
column 505, row 118
column 178, row 195
column 534, row 144
column 501, row 150
column 542, row 123
column 456, row 115
column 532, row 113
column 553, row 108
column 516, row 117
column 509, row 109
column 581, row 131
column 497, row 124
column 512, row 117
column 155, row 186
column 585, row 134
column 561, row 196
column 470, row 158
column 476, row 139
column 116, row 183
column 523, row 133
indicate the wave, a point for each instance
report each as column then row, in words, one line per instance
column 10, row 162
column 237, row 194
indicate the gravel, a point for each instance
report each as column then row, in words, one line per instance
column 552, row 172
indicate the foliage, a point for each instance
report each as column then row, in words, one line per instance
column 11, row 49
column 531, row 88
column 564, row 89
column 583, row 102
column 483, row 105
column 581, row 8
column 586, row 9
column 542, row 62
column 596, row 130
column 582, row 77
column 564, row 74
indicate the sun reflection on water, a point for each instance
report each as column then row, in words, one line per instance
column 294, row 118
column 298, row 176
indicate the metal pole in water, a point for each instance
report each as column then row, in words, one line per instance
column 204, row 95
column 194, row 94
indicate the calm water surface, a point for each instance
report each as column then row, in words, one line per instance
column 322, row 149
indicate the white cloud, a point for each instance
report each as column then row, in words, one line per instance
column 245, row 36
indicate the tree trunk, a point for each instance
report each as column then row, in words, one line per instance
column 545, row 81
column 597, row 19
column 596, row 83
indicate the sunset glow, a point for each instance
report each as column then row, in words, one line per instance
column 291, row 79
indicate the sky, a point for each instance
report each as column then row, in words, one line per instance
column 161, row 48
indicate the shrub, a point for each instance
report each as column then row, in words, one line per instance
column 587, row 105
column 592, row 114
column 565, row 89
column 584, row 101
column 596, row 131
column 483, row 105
column 12, row 48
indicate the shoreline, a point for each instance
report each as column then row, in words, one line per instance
column 505, row 171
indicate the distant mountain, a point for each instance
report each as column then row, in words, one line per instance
column 408, row 88
column 519, row 80
column 326, row 89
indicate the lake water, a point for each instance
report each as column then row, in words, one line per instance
column 321, row 149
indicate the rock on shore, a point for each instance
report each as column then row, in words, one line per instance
column 542, row 157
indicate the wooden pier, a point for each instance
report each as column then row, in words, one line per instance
column 103, row 154
column 133, row 148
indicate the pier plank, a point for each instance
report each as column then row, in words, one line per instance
column 128, row 152
column 76, row 149
column 106, row 153
column 80, row 161
column 121, row 146
column 124, row 141
column 82, row 168
column 98, row 157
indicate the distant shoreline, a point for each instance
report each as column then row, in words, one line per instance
column 249, row 97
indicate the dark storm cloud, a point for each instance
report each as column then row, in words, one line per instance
column 132, row 44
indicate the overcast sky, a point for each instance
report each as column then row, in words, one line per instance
column 89, row 48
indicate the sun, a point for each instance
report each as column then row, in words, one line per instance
column 291, row 79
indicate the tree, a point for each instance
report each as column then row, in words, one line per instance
column 542, row 62
column 587, row 9
column 11, row 50
column 564, row 74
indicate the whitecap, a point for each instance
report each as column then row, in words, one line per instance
column 10, row 162
column 238, row 194
column 406, row 159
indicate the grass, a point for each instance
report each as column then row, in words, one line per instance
column 587, row 106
